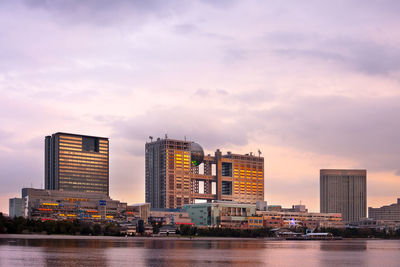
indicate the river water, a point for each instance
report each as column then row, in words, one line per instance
column 161, row 252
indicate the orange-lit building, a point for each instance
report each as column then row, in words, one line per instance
column 77, row 163
column 178, row 173
column 42, row 204
column 255, row 222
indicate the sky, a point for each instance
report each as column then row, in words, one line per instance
column 312, row 84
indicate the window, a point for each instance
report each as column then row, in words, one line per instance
column 90, row 144
column 227, row 169
column 226, row 188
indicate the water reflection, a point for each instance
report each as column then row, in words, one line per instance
column 184, row 252
column 348, row 245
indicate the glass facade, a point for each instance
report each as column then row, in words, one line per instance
column 77, row 163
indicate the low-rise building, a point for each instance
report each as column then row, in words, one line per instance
column 220, row 213
column 138, row 211
column 273, row 222
column 170, row 216
column 375, row 224
column 388, row 213
column 60, row 205
column 262, row 205
column 16, row 208
column 255, row 222
column 277, row 219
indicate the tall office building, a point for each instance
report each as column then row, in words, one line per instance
column 345, row 192
column 178, row 173
column 77, row 163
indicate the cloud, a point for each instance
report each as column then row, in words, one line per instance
column 212, row 128
column 360, row 54
column 103, row 12
column 365, row 129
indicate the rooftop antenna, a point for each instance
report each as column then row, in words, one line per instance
column 185, row 137
column 151, row 138
column 259, row 153
column 166, row 136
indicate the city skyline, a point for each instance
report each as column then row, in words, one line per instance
column 312, row 85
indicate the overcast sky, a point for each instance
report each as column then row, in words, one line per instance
column 312, row 84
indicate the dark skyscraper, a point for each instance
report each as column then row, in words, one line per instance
column 178, row 173
column 345, row 192
column 77, row 163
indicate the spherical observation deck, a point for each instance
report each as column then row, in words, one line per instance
column 196, row 153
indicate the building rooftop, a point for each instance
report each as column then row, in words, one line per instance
column 82, row 135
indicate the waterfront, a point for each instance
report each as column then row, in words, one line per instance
column 67, row 251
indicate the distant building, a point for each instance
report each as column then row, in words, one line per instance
column 345, row 192
column 255, row 222
column 262, row 205
column 220, row 213
column 45, row 204
column 294, row 208
column 77, row 163
column 299, row 208
column 376, row 224
column 141, row 211
column 178, row 173
column 388, row 213
column 16, row 208
column 170, row 216
column 277, row 219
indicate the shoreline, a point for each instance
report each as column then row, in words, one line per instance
column 129, row 238
column 172, row 238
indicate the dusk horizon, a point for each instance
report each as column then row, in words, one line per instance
column 311, row 85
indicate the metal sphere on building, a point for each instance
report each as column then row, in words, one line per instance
column 196, row 153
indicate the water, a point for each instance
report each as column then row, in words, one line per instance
column 153, row 252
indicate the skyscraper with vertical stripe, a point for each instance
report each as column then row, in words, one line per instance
column 345, row 192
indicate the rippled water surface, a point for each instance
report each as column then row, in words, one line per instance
column 153, row 252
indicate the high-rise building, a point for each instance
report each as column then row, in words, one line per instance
column 16, row 207
column 77, row 163
column 178, row 173
column 345, row 192
column 387, row 213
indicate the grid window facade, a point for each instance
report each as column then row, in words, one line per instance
column 77, row 163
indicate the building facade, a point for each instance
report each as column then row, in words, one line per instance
column 387, row 213
column 77, row 163
column 140, row 211
column 220, row 213
column 345, row 192
column 178, row 173
column 16, row 207
column 276, row 219
column 170, row 216
column 42, row 204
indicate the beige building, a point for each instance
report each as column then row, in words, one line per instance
column 345, row 192
column 388, row 213
column 298, row 218
column 169, row 216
